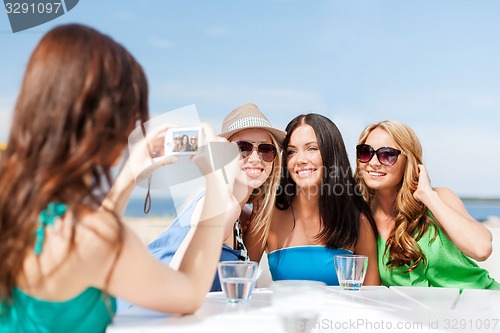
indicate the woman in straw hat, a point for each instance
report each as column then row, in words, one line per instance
column 256, row 183
column 319, row 213
column 63, row 259
column 426, row 236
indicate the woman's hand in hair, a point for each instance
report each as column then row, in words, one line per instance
column 470, row 236
column 424, row 185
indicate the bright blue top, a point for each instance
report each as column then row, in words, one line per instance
column 90, row 311
column 309, row 262
column 165, row 246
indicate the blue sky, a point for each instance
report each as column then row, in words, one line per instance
column 432, row 64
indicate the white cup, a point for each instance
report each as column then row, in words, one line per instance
column 237, row 279
column 351, row 270
column 298, row 303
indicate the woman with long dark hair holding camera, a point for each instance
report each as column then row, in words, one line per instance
column 64, row 258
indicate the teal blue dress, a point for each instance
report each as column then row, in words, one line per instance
column 309, row 262
column 91, row 311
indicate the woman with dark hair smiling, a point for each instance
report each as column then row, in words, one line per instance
column 184, row 146
column 318, row 211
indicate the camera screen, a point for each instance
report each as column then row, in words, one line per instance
column 185, row 141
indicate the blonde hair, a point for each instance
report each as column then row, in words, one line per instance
column 265, row 196
column 410, row 218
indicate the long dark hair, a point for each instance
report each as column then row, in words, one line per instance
column 81, row 96
column 340, row 203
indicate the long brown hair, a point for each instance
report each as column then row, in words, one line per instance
column 340, row 204
column 81, row 96
column 410, row 218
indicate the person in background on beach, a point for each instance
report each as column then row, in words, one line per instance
column 3, row 147
column 64, row 258
column 256, row 183
column 426, row 236
column 319, row 213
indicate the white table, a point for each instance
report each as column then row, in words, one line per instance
column 372, row 309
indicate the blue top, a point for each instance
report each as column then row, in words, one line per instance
column 308, row 262
column 90, row 311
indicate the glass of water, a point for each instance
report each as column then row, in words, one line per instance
column 351, row 270
column 237, row 279
column 298, row 304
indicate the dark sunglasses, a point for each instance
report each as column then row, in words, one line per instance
column 386, row 155
column 266, row 151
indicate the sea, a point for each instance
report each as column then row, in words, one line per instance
column 480, row 209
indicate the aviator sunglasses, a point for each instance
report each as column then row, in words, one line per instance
column 386, row 155
column 266, row 151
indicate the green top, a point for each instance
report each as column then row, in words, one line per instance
column 446, row 266
column 90, row 311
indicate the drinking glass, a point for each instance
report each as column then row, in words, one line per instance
column 351, row 270
column 237, row 279
column 298, row 303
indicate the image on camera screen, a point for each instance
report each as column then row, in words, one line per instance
column 183, row 141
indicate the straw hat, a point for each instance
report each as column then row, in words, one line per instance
column 248, row 116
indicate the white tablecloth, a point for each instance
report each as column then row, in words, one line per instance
column 372, row 309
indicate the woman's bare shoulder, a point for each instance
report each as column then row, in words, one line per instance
column 99, row 230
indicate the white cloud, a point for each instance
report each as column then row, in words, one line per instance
column 123, row 15
column 279, row 104
column 160, row 43
column 216, row 31
column 473, row 98
column 462, row 158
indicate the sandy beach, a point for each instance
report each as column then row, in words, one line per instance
column 492, row 222
column 148, row 228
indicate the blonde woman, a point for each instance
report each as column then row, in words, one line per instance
column 256, row 183
column 426, row 236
